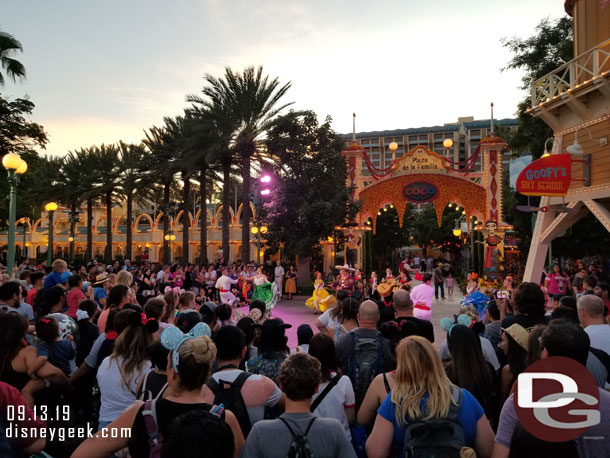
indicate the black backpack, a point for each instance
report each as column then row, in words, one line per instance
column 299, row 448
column 229, row 395
column 365, row 363
column 436, row 438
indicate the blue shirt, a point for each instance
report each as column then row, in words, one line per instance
column 470, row 412
column 60, row 353
column 98, row 293
column 52, row 279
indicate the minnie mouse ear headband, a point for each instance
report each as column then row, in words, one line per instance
column 141, row 319
column 254, row 314
column 447, row 324
column 176, row 290
column 172, row 338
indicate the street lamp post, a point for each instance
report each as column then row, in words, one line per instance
column 14, row 166
column 73, row 218
column 51, row 207
column 169, row 238
column 24, row 222
column 258, row 229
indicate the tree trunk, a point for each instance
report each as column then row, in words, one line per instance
column 109, row 226
column 89, row 254
column 245, row 211
column 226, row 205
column 186, row 224
column 72, row 234
column 166, row 258
column 203, row 215
column 129, row 227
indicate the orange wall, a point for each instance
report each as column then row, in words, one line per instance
column 591, row 25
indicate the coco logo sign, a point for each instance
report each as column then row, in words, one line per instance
column 557, row 399
column 419, row 192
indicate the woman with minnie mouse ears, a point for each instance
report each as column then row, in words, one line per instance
column 189, row 362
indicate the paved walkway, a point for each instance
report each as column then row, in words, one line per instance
column 296, row 313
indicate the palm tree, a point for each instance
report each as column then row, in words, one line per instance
column 108, row 172
column 72, row 186
column 88, row 169
column 247, row 103
column 13, row 68
column 208, row 143
column 162, row 147
column 133, row 166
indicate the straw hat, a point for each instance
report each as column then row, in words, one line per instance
column 345, row 267
column 101, row 278
column 519, row 335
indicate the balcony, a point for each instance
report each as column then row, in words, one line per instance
column 573, row 86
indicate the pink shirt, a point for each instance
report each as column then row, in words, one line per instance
column 74, row 297
column 558, row 283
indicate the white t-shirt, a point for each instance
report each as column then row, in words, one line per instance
column 599, row 334
column 335, row 402
column 487, row 348
column 117, row 395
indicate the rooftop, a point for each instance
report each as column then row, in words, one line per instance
column 453, row 127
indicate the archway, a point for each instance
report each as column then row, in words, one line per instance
column 424, row 179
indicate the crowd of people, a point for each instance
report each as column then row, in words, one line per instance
column 164, row 358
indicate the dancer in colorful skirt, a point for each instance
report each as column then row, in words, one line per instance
column 321, row 300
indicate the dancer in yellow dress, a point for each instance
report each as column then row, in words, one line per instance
column 321, row 300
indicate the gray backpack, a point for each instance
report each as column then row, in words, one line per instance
column 366, row 362
column 436, row 438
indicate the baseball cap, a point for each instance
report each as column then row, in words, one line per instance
column 186, row 321
column 274, row 327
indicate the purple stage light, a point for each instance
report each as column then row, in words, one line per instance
column 265, row 179
column 265, row 192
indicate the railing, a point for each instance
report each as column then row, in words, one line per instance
column 579, row 72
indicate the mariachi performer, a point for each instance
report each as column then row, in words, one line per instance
column 321, row 300
column 386, row 289
column 405, row 280
column 265, row 291
column 345, row 282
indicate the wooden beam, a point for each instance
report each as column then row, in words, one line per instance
column 579, row 108
column 600, row 211
column 538, row 249
column 550, row 119
column 563, row 222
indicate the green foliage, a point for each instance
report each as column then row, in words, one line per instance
column 309, row 197
column 426, row 232
column 550, row 47
column 33, row 188
column 17, row 134
column 14, row 69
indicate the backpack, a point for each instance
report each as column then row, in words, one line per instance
column 365, row 363
column 155, row 438
column 229, row 395
column 438, row 438
column 299, row 448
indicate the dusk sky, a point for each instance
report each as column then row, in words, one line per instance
column 103, row 71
